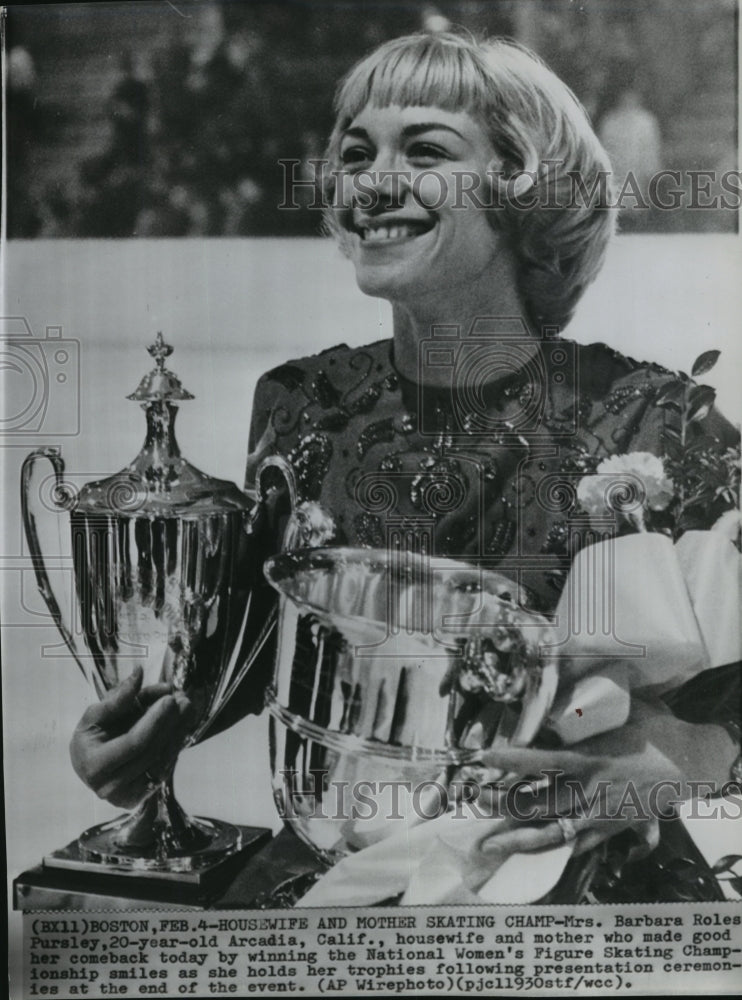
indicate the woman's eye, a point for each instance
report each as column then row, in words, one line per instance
column 425, row 151
column 355, row 156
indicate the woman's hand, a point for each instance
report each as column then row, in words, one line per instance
column 625, row 779
column 129, row 739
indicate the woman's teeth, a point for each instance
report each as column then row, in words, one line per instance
column 396, row 232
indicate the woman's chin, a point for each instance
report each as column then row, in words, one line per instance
column 376, row 285
column 387, row 281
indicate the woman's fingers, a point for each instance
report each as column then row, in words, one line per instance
column 109, row 761
column 585, row 832
column 568, row 800
column 117, row 705
column 150, row 694
column 127, row 699
column 129, row 783
column 132, row 764
column 149, row 748
column 514, row 839
column 126, row 795
column 166, row 716
column 526, row 761
column 550, row 816
column 161, row 725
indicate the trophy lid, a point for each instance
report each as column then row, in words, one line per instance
column 160, row 384
column 160, row 482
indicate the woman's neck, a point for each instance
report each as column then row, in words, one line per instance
column 416, row 324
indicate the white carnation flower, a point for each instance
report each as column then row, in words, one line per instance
column 626, row 484
column 315, row 526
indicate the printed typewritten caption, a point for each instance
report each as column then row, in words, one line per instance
column 409, row 951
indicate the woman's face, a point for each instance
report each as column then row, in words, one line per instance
column 413, row 231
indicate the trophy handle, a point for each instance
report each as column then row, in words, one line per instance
column 307, row 526
column 61, row 501
column 274, row 473
column 276, row 464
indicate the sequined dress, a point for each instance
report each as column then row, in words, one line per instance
column 488, row 475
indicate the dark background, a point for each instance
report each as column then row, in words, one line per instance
column 168, row 119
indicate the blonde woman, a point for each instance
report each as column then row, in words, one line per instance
column 467, row 187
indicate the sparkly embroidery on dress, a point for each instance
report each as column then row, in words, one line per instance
column 496, row 473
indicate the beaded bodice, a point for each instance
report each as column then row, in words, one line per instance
column 484, row 469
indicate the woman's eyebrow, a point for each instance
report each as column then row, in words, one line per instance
column 354, row 132
column 418, row 128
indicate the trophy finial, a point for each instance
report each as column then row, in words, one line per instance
column 159, row 351
column 160, row 384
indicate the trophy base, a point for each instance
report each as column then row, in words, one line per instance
column 67, row 880
column 210, row 843
column 269, row 871
column 197, row 845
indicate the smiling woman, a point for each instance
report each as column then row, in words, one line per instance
column 463, row 437
column 410, row 241
column 503, row 125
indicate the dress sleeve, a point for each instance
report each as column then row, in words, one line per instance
column 638, row 417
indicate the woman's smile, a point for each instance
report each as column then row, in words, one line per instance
column 391, row 230
column 410, row 234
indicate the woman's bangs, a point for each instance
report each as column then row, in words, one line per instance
column 429, row 73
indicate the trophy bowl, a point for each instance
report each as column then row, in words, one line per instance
column 394, row 671
column 165, row 568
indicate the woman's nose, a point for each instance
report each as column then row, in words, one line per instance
column 388, row 184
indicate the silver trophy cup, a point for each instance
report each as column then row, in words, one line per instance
column 394, row 672
column 166, row 567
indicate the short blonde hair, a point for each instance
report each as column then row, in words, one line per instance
column 536, row 124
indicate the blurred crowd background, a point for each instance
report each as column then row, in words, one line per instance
column 170, row 118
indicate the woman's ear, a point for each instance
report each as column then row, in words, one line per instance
column 511, row 179
column 508, row 186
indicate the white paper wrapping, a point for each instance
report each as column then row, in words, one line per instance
column 439, row 862
column 591, row 705
column 712, row 569
column 627, row 599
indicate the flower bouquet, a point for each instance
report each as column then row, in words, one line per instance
column 655, row 598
